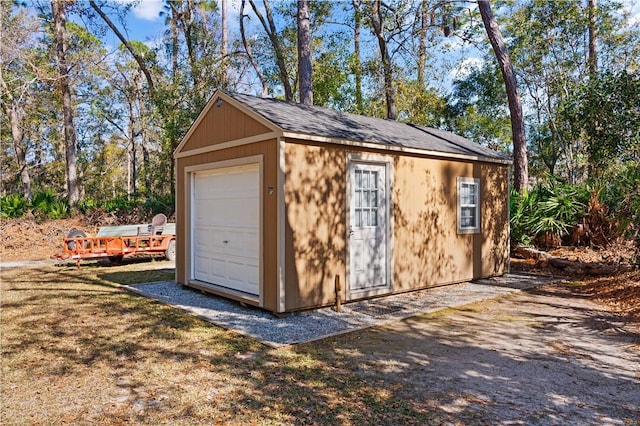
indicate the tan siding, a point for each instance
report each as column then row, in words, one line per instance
column 427, row 250
column 269, row 152
column 492, row 250
column 426, row 247
column 315, row 190
column 223, row 124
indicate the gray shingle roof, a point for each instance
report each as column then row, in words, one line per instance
column 319, row 121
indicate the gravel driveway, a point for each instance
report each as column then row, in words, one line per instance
column 542, row 356
column 318, row 324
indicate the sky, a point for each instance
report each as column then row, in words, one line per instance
column 145, row 24
column 145, row 20
column 148, row 10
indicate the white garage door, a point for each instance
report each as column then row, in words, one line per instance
column 225, row 226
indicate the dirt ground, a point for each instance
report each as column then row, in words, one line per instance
column 545, row 357
column 27, row 239
column 620, row 291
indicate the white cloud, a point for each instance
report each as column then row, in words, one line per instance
column 465, row 67
column 634, row 12
column 148, row 10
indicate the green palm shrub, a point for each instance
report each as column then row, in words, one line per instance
column 46, row 204
column 546, row 214
column 13, row 205
column 522, row 216
column 58, row 210
column 41, row 202
column 621, row 195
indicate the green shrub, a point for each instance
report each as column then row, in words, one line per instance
column 46, row 203
column 58, row 210
column 522, row 213
column 561, row 209
column 41, row 202
column 13, row 205
column 154, row 206
column 546, row 213
column 87, row 205
column 621, row 194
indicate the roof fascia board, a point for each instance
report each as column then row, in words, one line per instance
column 230, row 144
column 392, row 148
column 219, row 94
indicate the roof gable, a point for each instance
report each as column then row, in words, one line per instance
column 223, row 120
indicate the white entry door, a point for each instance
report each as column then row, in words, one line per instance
column 368, row 233
column 226, row 227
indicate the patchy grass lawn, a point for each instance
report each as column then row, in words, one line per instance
column 77, row 348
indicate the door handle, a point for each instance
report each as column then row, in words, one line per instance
column 225, row 241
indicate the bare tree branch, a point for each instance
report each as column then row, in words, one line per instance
column 139, row 59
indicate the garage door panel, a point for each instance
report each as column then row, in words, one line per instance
column 202, row 239
column 202, row 265
column 252, row 244
column 218, row 268
column 242, row 243
column 237, row 240
column 229, row 213
column 226, row 220
column 237, row 272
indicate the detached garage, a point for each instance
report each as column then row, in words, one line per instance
column 274, row 200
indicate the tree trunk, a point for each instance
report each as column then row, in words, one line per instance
column 15, row 114
column 270, row 28
column 357, row 17
column 186, row 16
column 147, row 169
column 173, row 113
column 304, row 53
column 247, row 49
column 422, row 43
column 520, row 161
column 592, row 9
column 387, row 66
column 132, row 171
column 223, row 43
column 60, row 19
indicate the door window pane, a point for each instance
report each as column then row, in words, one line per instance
column 366, row 198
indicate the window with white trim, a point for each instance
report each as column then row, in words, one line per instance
column 468, row 205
